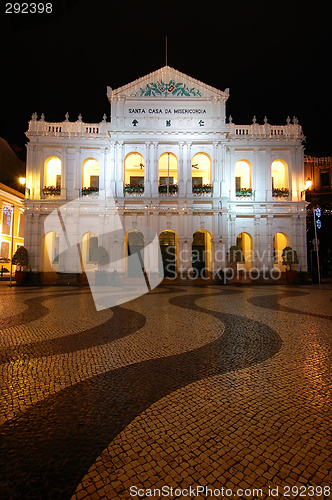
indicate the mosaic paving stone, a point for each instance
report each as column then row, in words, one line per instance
column 214, row 386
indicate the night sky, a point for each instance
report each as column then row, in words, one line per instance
column 274, row 56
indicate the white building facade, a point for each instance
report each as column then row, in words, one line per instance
column 168, row 160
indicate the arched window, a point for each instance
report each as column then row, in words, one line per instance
column 168, row 172
column 279, row 173
column 134, row 170
column 52, row 173
column 201, row 169
column 90, row 174
column 243, row 178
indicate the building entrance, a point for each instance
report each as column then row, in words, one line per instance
column 167, row 248
column 198, row 254
column 135, row 242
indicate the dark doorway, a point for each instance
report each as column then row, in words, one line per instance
column 135, row 245
column 198, row 254
column 167, row 248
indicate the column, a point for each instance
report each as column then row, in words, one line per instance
column 181, row 170
column 147, row 169
column 215, row 168
column 119, row 168
column 64, row 173
column 187, row 163
column 154, row 168
column 110, row 171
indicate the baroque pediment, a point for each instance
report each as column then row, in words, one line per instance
column 166, row 82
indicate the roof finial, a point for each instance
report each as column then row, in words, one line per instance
column 166, row 50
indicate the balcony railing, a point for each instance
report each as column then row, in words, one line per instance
column 266, row 131
column 66, row 128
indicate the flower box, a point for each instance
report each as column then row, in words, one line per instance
column 172, row 188
column 280, row 192
column 86, row 191
column 244, row 192
column 52, row 190
column 202, row 188
column 133, row 188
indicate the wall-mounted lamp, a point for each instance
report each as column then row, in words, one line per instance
column 308, row 183
column 22, row 182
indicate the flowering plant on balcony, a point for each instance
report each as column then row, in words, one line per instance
column 89, row 190
column 53, row 190
column 202, row 188
column 172, row 188
column 133, row 188
column 244, row 192
column 280, row 192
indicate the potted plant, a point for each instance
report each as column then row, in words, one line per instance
column 289, row 259
column 20, row 259
column 101, row 258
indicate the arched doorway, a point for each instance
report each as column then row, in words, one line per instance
column 89, row 245
column 50, row 250
column 135, row 245
column 201, row 253
column 167, row 243
column 244, row 242
column 280, row 241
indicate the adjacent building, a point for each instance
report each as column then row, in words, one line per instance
column 11, row 224
column 170, row 160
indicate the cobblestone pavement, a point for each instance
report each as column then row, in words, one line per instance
column 185, row 392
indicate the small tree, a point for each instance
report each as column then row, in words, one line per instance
column 289, row 257
column 21, row 257
column 100, row 256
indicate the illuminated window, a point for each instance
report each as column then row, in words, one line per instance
column 242, row 175
column 168, row 169
column 201, row 169
column 52, row 172
column 279, row 171
column 90, row 174
column 134, row 169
